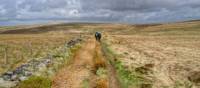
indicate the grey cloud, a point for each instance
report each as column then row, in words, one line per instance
column 124, row 5
column 145, row 11
column 10, row 7
column 129, row 11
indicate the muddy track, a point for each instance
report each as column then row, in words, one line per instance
column 112, row 74
column 85, row 68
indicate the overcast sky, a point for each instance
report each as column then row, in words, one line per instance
column 123, row 11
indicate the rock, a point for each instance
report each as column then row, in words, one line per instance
column 24, row 65
column 73, row 42
column 47, row 61
column 7, row 84
column 26, row 73
column 7, row 75
column 14, row 78
column 22, row 78
column 1, row 80
column 18, row 71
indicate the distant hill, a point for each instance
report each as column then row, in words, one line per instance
column 110, row 27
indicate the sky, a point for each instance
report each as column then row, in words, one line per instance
column 114, row 11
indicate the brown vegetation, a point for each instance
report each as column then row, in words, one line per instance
column 18, row 49
column 167, row 55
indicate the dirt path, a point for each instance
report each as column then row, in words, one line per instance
column 82, row 71
column 79, row 70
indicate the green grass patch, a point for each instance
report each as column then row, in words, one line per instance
column 130, row 78
column 36, row 82
column 85, row 83
column 127, row 78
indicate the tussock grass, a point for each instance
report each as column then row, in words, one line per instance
column 36, row 82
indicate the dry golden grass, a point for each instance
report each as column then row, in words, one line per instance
column 172, row 50
column 169, row 53
column 18, row 49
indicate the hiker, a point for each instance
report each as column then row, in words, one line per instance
column 98, row 36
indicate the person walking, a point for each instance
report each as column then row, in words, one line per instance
column 98, row 36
